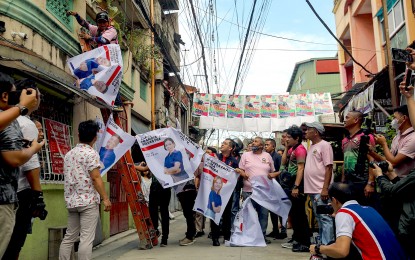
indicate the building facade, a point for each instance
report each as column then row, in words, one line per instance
column 36, row 39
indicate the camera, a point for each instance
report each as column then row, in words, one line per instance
column 325, row 209
column 383, row 165
column 400, row 55
column 41, row 214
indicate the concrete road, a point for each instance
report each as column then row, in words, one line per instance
column 125, row 246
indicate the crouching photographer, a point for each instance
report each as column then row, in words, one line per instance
column 357, row 227
column 402, row 191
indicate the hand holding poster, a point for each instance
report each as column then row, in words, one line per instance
column 217, row 183
column 115, row 144
column 99, row 72
column 171, row 156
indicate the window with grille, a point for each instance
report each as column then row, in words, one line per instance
column 58, row 9
column 62, row 114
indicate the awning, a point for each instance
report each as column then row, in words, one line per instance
column 349, row 95
column 138, row 126
column 49, row 79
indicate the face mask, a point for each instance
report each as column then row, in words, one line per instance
column 254, row 148
column 394, row 124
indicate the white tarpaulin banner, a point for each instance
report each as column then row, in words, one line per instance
column 171, row 156
column 217, row 183
column 115, row 144
column 246, row 230
column 269, row 194
column 99, row 72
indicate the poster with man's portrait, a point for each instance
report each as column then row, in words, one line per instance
column 115, row 143
column 99, row 72
column 171, row 156
column 252, row 106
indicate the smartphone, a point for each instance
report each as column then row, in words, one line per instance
column 400, row 55
column 408, row 77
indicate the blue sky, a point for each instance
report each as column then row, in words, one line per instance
column 270, row 70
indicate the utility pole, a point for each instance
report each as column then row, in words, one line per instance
column 388, row 55
column 153, row 71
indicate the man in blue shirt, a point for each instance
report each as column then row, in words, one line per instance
column 106, row 154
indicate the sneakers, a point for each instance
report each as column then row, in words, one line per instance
column 267, row 241
column 280, row 236
column 200, row 234
column 300, row 248
column 289, row 244
column 186, row 242
column 163, row 242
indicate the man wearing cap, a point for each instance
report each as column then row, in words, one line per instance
column 102, row 33
column 318, row 176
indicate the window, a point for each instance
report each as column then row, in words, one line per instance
column 143, row 89
column 396, row 19
column 58, row 8
column 300, row 81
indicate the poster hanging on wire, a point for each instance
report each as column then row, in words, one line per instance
column 171, row 156
column 201, row 104
column 218, row 105
column 235, row 106
column 304, row 105
column 269, row 106
column 217, row 183
column 59, row 140
column 252, row 106
column 322, row 104
column 286, row 106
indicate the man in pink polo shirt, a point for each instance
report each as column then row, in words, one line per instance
column 318, row 176
column 256, row 163
column 402, row 152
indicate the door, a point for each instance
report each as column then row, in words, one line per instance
column 119, row 208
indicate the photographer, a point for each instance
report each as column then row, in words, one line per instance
column 358, row 225
column 402, row 152
column 12, row 155
column 401, row 190
column 29, row 191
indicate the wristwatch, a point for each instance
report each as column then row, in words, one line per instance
column 295, row 187
column 23, row 110
column 371, row 183
column 317, row 249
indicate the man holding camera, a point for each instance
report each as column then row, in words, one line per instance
column 317, row 177
column 29, row 191
column 353, row 152
column 12, row 155
column 360, row 225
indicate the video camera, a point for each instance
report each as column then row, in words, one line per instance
column 363, row 147
column 383, row 165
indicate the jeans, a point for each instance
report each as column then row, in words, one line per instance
column 80, row 220
column 235, row 203
column 325, row 222
column 262, row 212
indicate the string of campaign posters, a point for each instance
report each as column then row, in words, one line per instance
column 259, row 112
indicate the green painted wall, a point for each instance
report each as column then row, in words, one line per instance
column 36, row 245
column 314, row 82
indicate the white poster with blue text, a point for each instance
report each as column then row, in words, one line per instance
column 171, row 156
column 217, row 183
column 115, row 143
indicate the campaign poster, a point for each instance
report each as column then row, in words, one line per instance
column 235, row 107
column 252, row 106
column 286, row 106
column 99, row 72
column 171, row 155
column 304, row 105
column 218, row 105
column 322, row 104
column 59, row 141
column 217, row 183
column 269, row 106
column 115, row 144
column 201, row 104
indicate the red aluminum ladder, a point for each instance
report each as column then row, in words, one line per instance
column 132, row 185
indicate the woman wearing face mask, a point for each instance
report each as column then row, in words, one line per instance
column 402, row 152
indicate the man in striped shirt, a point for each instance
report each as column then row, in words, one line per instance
column 360, row 225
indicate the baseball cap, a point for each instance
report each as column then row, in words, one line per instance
column 102, row 16
column 316, row 125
